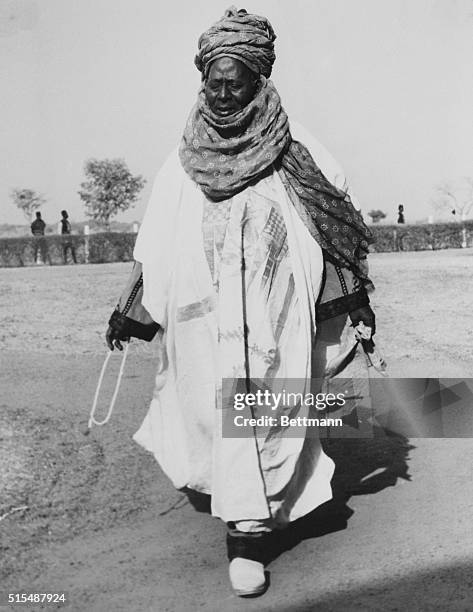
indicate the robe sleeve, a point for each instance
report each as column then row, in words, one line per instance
column 156, row 241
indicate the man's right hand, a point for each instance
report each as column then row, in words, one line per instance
column 117, row 331
column 113, row 338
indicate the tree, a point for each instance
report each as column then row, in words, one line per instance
column 376, row 215
column 110, row 188
column 455, row 197
column 28, row 201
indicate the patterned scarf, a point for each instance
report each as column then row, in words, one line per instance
column 224, row 155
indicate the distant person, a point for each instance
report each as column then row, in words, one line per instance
column 400, row 214
column 38, row 226
column 67, row 243
column 40, row 245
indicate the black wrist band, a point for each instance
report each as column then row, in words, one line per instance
column 342, row 305
column 128, row 328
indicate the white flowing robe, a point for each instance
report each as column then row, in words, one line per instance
column 191, row 250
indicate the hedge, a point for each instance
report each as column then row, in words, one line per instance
column 431, row 236
column 118, row 246
column 102, row 248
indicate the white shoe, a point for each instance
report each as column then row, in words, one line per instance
column 247, row 577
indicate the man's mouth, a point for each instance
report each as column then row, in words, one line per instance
column 225, row 110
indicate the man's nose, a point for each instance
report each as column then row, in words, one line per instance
column 223, row 92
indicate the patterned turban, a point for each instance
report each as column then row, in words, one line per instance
column 247, row 38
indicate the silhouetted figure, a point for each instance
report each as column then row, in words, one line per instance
column 67, row 243
column 38, row 226
column 40, row 245
column 400, row 214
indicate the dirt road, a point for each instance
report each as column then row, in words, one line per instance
column 102, row 523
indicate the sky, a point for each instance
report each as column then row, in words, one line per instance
column 385, row 85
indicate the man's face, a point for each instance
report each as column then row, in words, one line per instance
column 229, row 87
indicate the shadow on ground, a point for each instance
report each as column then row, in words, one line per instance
column 422, row 591
column 363, row 466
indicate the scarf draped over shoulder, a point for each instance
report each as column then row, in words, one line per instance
column 224, row 155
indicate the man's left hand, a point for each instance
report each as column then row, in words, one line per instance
column 365, row 315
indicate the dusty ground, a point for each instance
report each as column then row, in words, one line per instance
column 96, row 518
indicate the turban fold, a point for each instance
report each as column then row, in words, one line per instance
column 247, row 38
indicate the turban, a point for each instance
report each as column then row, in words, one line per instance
column 247, row 38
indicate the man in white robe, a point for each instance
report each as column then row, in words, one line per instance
column 233, row 276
